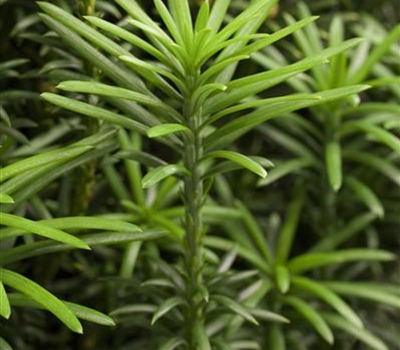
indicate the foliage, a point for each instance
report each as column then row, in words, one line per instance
column 228, row 164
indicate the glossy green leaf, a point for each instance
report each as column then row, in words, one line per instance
column 358, row 57
column 135, row 11
column 239, row 126
column 42, row 230
column 94, row 112
column 79, row 311
column 253, row 84
column 5, row 198
column 309, row 261
column 311, row 31
column 99, row 239
column 4, row 345
column 202, row 16
column 289, row 228
column 39, row 178
column 240, row 159
column 43, row 140
column 133, row 309
column 294, row 145
column 217, row 14
column 246, row 22
column 41, row 296
column 158, row 282
column 5, row 309
column 173, row 344
column 80, row 223
column 59, row 65
column 360, row 333
column 260, row 103
column 14, row 133
column 309, row 41
column 92, row 54
column 181, row 14
column 215, row 213
column 129, row 37
column 243, row 252
column 284, row 169
column 153, row 32
column 59, row 155
column 165, row 307
column 89, row 314
column 169, row 21
column 329, row 297
column 14, row 95
column 165, row 129
column 207, row 47
column 81, row 28
column 158, row 174
column 255, row 231
column 275, row 36
column 218, row 67
column 235, row 307
column 282, row 275
column 368, row 108
column 338, row 68
column 354, row 227
column 113, row 177
column 141, row 157
column 4, row 66
column 377, row 132
column 202, row 41
column 365, row 290
column 366, row 195
column 381, row 165
column 252, row 13
column 203, row 92
column 375, row 55
column 91, row 87
column 333, row 161
column 153, row 73
column 227, row 261
column 174, row 229
column 268, row 316
column 133, row 141
column 384, row 81
column 227, row 166
column 130, row 259
column 312, row 316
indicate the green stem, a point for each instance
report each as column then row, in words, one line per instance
column 194, row 231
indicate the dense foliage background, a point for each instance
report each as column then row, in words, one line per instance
column 311, row 242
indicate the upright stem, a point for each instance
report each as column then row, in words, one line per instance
column 193, row 199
